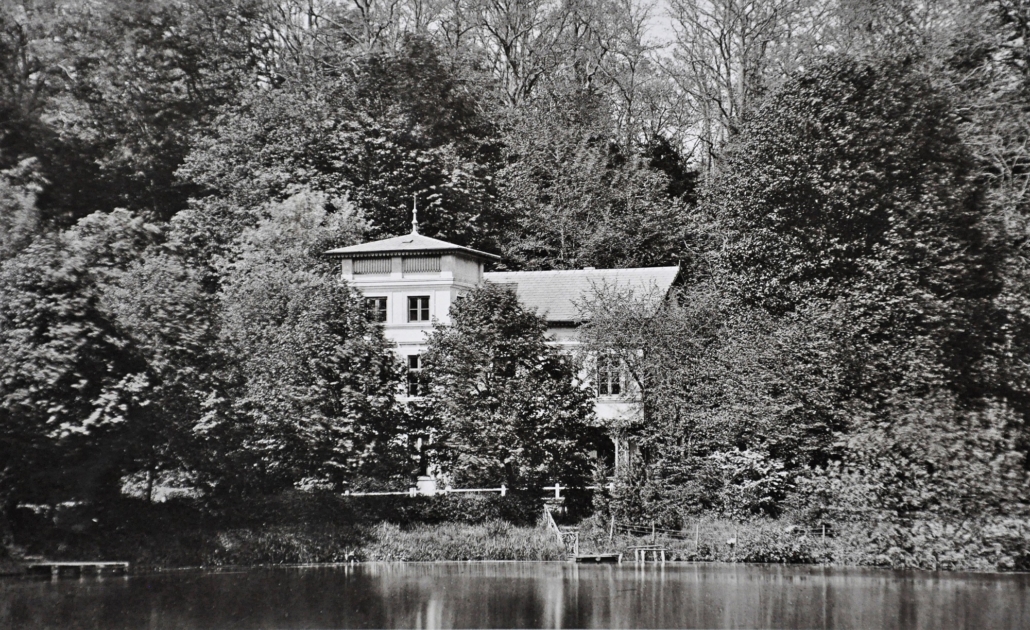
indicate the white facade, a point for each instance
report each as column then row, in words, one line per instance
column 457, row 275
column 420, row 278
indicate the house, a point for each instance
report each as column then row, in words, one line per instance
column 410, row 282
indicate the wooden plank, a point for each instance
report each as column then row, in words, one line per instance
column 598, row 558
column 78, row 563
column 75, row 568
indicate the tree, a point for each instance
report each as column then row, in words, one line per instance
column 393, row 126
column 573, row 197
column 985, row 57
column 510, row 408
column 161, row 307
column 107, row 94
column 733, row 404
column 152, row 74
column 19, row 216
column 73, row 385
column 882, row 210
column 314, row 379
column 726, row 58
column 880, row 225
column 933, row 459
column 523, row 41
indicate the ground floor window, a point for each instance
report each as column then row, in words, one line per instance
column 609, row 376
column 414, row 373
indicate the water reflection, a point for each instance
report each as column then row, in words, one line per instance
column 524, row 595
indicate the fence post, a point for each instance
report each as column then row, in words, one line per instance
column 653, row 538
column 697, row 535
column 504, row 490
column 611, row 531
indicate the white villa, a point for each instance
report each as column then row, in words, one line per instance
column 409, row 283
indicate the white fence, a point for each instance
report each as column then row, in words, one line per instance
column 425, row 489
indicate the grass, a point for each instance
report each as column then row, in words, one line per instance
column 493, row 540
column 306, row 544
column 718, row 540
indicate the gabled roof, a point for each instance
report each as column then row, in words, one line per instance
column 554, row 294
column 413, row 243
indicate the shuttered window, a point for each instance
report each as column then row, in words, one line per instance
column 421, row 264
column 371, row 265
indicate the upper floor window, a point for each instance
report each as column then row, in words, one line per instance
column 376, row 308
column 372, row 266
column 609, row 376
column 418, row 309
column 420, row 264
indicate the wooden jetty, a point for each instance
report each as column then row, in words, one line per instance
column 597, row 558
column 640, row 553
column 58, row 568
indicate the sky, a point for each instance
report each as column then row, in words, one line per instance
column 661, row 26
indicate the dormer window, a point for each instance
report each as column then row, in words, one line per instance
column 418, row 308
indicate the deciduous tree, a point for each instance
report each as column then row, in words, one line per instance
column 314, row 378
column 510, row 408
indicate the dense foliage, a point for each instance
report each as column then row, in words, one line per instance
column 507, row 407
column 837, row 352
column 844, row 185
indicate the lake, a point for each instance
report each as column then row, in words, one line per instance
column 522, row 595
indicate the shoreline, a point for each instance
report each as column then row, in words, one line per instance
column 324, row 531
column 18, row 568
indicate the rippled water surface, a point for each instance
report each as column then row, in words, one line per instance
column 523, row 595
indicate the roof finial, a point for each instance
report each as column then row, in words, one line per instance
column 414, row 213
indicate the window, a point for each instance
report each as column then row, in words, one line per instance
column 376, row 308
column 609, row 376
column 418, row 309
column 458, row 301
column 414, row 373
column 420, row 264
column 372, row 266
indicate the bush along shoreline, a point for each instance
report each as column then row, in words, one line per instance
column 993, row 545
column 302, row 528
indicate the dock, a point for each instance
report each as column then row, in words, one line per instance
column 598, row 558
column 75, row 568
column 640, row 553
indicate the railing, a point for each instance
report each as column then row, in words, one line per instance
column 503, row 490
column 415, row 492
